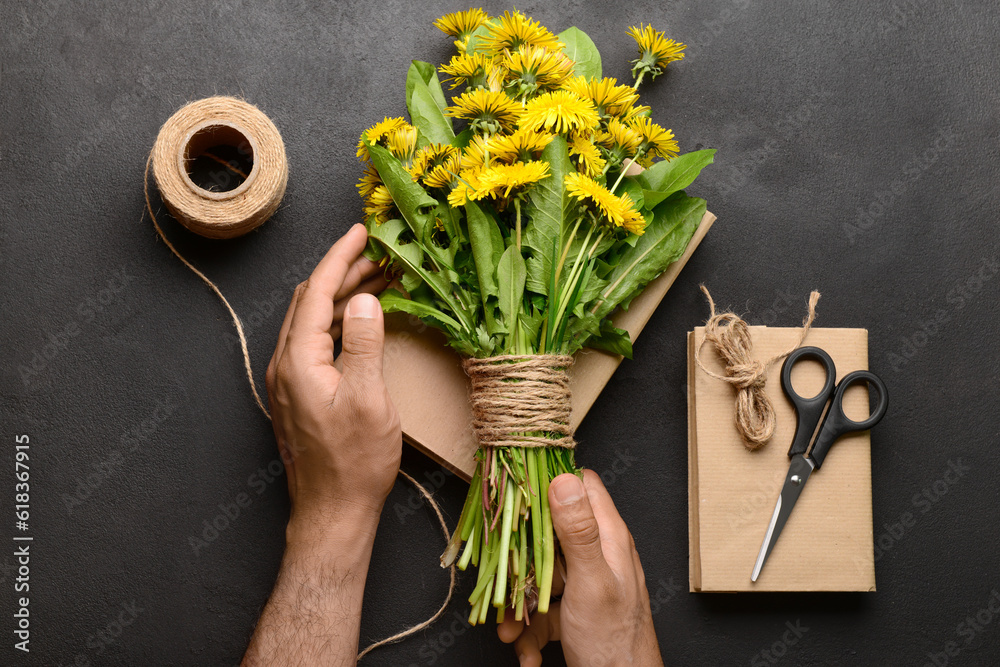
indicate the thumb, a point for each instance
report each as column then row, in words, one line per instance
column 575, row 524
column 363, row 340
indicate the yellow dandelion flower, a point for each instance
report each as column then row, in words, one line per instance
column 533, row 68
column 443, row 175
column 429, row 157
column 589, row 192
column 632, row 113
column 608, row 97
column 496, row 78
column 620, row 139
column 380, row 205
column 465, row 188
column 489, row 111
column 369, row 180
column 501, row 179
column 512, row 31
column 462, row 24
column 655, row 51
column 402, row 141
column 477, row 154
column 633, row 221
column 617, row 211
column 469, row 68
column 656, row 142
column 588, row 156
column 559, row 111
column 378, row 133
column 523, row 145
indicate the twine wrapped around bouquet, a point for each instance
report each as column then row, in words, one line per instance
column 521, row 400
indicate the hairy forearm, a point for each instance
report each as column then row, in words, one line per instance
column 313, row 616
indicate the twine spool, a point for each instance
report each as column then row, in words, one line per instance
column 188, row 134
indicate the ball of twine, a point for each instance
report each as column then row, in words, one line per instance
column 521, row 400
column 189, row 133
column 731, row 336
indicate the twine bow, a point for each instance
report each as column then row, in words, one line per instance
column 731, row 337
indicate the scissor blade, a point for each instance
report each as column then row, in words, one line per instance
column 795, row 480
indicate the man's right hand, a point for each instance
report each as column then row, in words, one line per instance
column 604, row 616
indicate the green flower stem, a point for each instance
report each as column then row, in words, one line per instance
column 487, row 568
column 574, row 275
column 470, row 546
column 635, row 86
column 565, row 251
column 517, row 210
column 499, row 594
column 548, row 544
column 536, row 510
column 621, row 174
column 474, row 613
column 522, row 572
column 486, row 605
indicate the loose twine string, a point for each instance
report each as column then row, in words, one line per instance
column 236, row 217
column 731, row 336
column 515, row 398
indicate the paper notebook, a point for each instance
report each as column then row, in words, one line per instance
column 827, row 544
column 431, row 391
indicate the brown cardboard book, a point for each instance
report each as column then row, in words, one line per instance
column 426, row 381
column 827, row 544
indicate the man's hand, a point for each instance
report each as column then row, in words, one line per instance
column 604, row 616
column 337, row 430
column 338, row 434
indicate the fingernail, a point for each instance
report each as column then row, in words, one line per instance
column 568, row 489
column 363, row 306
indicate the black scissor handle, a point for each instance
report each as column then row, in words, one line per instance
column 837, row 423
column 809, row 410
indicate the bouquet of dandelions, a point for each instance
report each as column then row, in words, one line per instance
column 518, row 237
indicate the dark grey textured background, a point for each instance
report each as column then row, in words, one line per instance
column 857, row 155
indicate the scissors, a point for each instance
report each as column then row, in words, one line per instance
column 835, row 424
